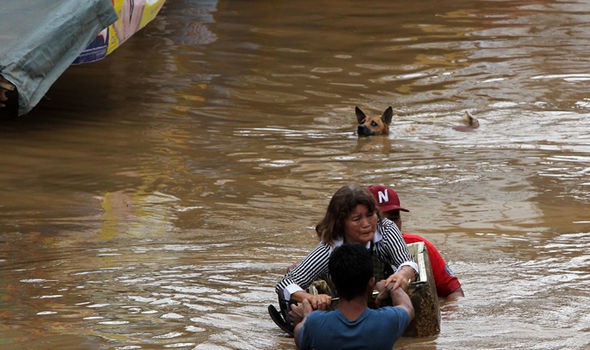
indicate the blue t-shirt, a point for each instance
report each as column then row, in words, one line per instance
column 373, row 329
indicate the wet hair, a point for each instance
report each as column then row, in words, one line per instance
column 331, row 227
column 351, row 268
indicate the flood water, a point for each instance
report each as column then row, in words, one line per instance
column 153, row 199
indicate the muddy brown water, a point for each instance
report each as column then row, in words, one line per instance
column 152, row 199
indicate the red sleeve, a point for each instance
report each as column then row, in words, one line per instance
column 446, row 281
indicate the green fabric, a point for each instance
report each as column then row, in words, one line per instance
column 39, row 39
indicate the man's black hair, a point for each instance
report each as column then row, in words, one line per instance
column 351, row 268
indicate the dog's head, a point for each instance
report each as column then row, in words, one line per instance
column 369, row 126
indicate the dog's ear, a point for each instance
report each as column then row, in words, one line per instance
column 360, row 116
column 387, row 115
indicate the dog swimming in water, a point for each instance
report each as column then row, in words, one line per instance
column 371, row 126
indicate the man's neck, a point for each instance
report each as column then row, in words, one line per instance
column 352, row 309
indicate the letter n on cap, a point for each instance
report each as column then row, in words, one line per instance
column 383, row 197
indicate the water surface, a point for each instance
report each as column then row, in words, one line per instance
column 153, row 199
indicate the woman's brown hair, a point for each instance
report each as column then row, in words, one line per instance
column 331, row 227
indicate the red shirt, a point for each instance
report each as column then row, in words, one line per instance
column 446, row 282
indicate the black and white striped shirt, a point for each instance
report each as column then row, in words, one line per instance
column 388, row 246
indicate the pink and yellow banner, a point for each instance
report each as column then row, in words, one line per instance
column 132, row 16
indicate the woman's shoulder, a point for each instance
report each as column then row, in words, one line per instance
column 385, row 222
column 385, row 226
column 322, row 248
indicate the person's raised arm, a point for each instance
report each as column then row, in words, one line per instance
column 400, row 298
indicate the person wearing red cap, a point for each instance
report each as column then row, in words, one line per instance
column 447, row 284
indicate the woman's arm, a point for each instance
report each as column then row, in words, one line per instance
column 292, row 285
column 318, row 302
column 393, row 249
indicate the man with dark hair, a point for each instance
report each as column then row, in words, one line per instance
column 353, row 325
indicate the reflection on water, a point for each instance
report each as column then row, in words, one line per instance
column 153, row 199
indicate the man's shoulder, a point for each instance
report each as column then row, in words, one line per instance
column 391, row 318
column 319, row 316
column 391, row 311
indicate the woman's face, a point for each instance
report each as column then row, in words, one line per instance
column 360, row 225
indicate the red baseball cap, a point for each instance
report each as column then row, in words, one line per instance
column 386, row 198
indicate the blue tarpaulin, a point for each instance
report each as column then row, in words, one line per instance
column 39, row 39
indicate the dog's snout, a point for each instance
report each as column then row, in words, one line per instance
column 362, row 130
